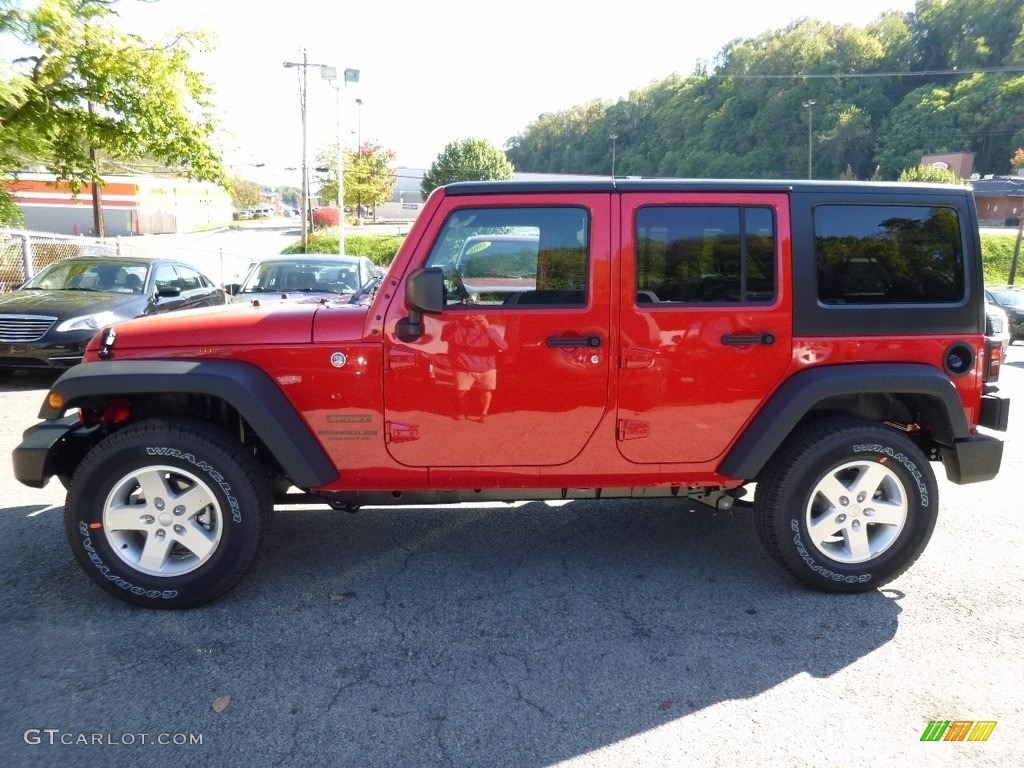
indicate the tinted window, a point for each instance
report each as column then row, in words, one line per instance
column 190, row 279
column 166, row 277
column 888, row 254
column 694, row 253
column 515, row 257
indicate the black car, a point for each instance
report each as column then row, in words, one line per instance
column 48, row 321
column 1011, row 300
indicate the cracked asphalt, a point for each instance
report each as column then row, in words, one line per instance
column 612, row 633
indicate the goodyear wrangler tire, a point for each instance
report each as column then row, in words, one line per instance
column 167, row 513
column 846, row 505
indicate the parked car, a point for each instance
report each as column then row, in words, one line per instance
column 1011, row 300
column 495, row 268
column 997, row 331
column 305, row 276
column 47, row 321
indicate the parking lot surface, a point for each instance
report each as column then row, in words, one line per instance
column 612, row 633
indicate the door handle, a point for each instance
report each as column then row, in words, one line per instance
column 758, row 338
column 574, row 341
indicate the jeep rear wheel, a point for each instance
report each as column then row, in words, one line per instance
column 167, row 513
column 846, row 505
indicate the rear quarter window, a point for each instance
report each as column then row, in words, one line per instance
column 888, row 254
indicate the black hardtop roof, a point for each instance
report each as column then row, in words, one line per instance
column 594, row 184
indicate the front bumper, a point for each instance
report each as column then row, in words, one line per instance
column 43, row 355
column 36, row 458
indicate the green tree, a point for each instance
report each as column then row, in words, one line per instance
column 245, row 194
column 369, row 177
column 466, row 160
column 886, row 94
column 84, row 89
column 929, row 173
column 291, row 196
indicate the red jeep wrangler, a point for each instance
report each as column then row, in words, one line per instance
column 612, row 338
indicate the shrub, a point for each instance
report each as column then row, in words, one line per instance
column 380, row 250
column 325, row 217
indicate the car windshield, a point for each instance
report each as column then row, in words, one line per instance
column 91, row 275
column 303, row 277
column 1009, row 298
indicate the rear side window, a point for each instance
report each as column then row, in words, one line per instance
column 514, row 257
column 718, row 254
column 882, row 254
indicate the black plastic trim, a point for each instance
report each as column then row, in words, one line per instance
column 805, row 390
column 814, row 319
column 33, row 458
column 245, row 387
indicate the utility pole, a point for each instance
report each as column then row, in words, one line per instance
column 98, row 227
column 303, row 66
column 809, row 106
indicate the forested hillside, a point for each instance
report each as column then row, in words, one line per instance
column 948, row 77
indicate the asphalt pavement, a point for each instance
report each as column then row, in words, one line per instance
column 611, row 633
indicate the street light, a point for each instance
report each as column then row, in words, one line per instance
column 359, row 151
column 613, row 137
column 809, row 106
column 359, row 125
column 350, row 76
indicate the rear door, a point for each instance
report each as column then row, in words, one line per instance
column 503, row 377
column 705, row 320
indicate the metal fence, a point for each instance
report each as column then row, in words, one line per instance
column 23, row 253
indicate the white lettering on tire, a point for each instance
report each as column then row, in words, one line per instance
column 155, row 594
column 821, row 570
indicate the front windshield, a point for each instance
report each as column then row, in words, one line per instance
column 1009, row 298
column 303, row 277
column 91, row 275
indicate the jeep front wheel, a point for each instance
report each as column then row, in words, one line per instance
column 846, row 505
column 167, row 513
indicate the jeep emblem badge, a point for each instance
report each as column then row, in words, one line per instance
column 338, row 359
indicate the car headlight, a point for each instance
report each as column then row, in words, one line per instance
column 91, row 322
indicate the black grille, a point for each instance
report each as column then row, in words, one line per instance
column 23, row 328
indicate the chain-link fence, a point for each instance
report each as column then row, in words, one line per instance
column 23, row 253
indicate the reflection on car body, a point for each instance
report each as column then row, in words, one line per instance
column 306, row 276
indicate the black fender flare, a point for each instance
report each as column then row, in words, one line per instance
column 245, row 387
column 802, row 392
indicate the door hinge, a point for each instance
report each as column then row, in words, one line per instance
column 401, row 433
column 632, row 429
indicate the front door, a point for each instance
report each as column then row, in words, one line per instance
column 514, row 372
column 705, row 320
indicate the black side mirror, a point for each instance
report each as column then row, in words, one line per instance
column 424, row 293
column 168, row 292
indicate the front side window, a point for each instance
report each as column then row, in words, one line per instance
column 190, row 280
column 718, row 254
column 514, row 257
column 888, row 254
column 166, row 277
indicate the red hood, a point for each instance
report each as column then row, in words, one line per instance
column 235, row 325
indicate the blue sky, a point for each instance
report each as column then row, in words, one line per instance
column 433, row 72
